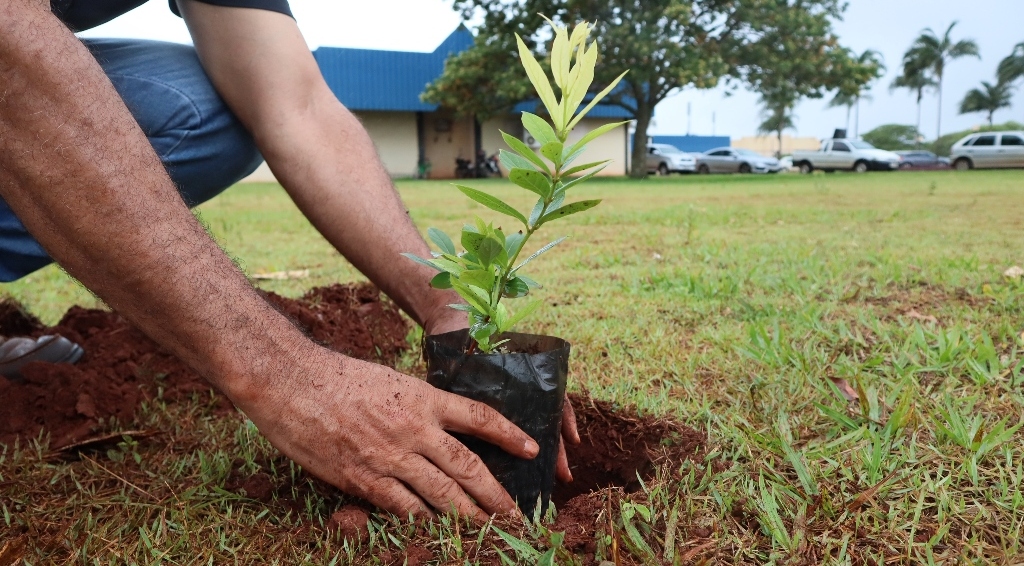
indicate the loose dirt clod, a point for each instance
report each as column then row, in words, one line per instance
column 122, row 367
column 350, row 523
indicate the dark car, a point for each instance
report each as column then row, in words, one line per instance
column 921, row 159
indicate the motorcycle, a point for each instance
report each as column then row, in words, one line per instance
column 485, row 166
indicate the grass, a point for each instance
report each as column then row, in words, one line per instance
column 745, row 306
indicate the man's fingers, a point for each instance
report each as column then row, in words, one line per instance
column 441, row 491
column 569, row 429
column 466, row 468
column 562, row 472
column 459, row 414
column 393, row 496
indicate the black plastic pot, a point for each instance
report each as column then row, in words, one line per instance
column 527, row 388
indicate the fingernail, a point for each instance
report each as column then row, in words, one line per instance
column 531, row 448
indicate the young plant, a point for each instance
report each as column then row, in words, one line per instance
column 487, row 270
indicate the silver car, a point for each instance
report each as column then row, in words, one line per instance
column 988, row 150
column 663, row 159
column 734, row 160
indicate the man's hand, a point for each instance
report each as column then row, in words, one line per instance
column 445, row 319
column 379, row 434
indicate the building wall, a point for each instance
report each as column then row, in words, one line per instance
column 444, row 139
column 768, row 145
column 490, row 132
column 394, row 135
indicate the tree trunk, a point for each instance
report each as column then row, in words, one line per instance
column 638, row 167
column 778, row 154
column 848, row 108
column 991, row 112
column 917, row 127
column 856, row 120
column 938, row 123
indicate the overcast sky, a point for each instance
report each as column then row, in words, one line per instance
column 887, row 26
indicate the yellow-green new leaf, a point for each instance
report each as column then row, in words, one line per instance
column 539, row 127
column 540, row 82
column 522, row 313
column 523, row 150
column 553, row 151
column 561, row 55
column 596, row 99
column 579, row 88
column 584, row 167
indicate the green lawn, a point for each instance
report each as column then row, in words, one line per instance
column 732, row 303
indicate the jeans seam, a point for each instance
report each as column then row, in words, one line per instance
column 169, row 86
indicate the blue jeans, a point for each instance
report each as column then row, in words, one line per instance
column 201, row 143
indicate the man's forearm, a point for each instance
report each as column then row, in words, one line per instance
column 328, row 164
column 80, row 174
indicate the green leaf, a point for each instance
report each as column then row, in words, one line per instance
column 539, row 80
column 515, row 288
column 533, row 284
column 482, row 333
column 500, row 317
column 568, row 209
column 480, row 278
column 584, row 167
column 523, row 150
column 442, row 281
column 471, row 241
column 539, row 252
column 525, row 552
column 553, row 151
column 511, row 160
column 539, row 127
column 523, row 313
column 590, row 136
column 513, row 243
column 471, row 296
column 581, row 179
column 537, row 210
column 489, row 249
column 461, row 307
column 533, row 181
column 419, row 259
column 491, row 202
column 596, row 100
column 445, row 264
column 441, row 240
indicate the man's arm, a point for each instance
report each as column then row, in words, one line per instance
column 260, row 64
column 80, row 174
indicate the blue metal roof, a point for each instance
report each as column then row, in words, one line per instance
column 370, row 79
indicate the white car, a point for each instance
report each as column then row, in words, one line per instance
column 851, row 155
column 988, row 150
column 663, row 159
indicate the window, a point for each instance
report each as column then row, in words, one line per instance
column 984, row 140
column 840, row 146
column 1012, row 140
column 861, row 144
column 720, row 153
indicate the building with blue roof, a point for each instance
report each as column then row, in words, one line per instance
column 383, row 89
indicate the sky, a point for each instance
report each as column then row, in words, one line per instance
column 887, row 26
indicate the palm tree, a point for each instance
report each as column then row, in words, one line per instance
column 933, row 52
column 851, row 96
column 778, row 117
column 1011, row 68
column 989, row 98
column 915, row 79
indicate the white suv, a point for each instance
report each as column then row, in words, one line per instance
column 988, row 150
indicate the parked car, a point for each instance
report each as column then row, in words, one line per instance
column 846, row 154
column 988, row 150
column 735, row 160
column 921, row 159
column 663, row 159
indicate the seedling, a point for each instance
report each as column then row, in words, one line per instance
column 487, row 270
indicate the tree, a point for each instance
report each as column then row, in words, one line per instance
column 851, row 96
column 1011, row 68
column 893, row 137
column 914, row 78
column 933, row 52
column 989, row 98
column 666, row 45
column 778, row 116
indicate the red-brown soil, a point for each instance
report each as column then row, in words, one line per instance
column 122, row 367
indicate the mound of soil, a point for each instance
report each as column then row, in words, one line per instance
column 122, row 367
